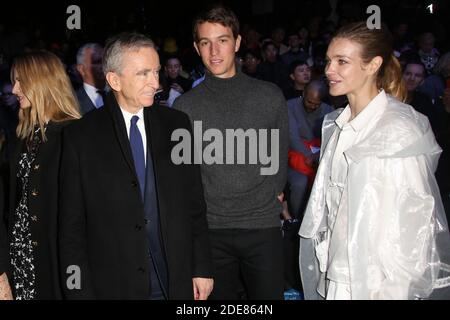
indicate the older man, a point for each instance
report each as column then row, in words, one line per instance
column 132, row 224
column 89, row 66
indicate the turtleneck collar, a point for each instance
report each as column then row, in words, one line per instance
column 216, row 83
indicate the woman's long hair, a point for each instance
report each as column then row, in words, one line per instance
column 44, row 81
column 377, row 42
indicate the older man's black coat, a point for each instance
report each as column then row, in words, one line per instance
column 102, row 226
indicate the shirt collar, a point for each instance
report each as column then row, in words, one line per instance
column 374, row 107
column 90, row 89
column 127, row 115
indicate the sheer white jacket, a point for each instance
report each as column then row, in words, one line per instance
column 398, row 238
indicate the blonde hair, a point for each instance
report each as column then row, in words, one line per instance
column 44, row 81
column 378, row 42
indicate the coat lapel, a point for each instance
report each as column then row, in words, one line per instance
column 120, row 130
column 86, row 104
column 155, row 137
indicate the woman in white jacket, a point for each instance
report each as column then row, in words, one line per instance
column 374, row 227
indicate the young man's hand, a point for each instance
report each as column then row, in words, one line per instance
column 202, row 288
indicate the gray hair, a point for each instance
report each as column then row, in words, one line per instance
column 81, row 54
column 319, row 86
column 115, row 47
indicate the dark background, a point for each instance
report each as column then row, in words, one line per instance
column 174, row 18
column 42, row 24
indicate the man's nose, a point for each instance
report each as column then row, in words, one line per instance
column 214, row 49
column 153, row 82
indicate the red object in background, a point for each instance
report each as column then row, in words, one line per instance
column 312, row 143
column 298, row 161
column 447, row 85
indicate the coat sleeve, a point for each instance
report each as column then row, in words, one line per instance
column 3, row 238
column 295, row 140
column 410, row 262
column 202, row 263
column 75, row 273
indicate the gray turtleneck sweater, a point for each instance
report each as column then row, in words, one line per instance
column 238, row 196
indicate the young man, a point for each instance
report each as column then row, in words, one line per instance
column 242, row 206
column 132, row 223
column 300, row 74
column 173, row 70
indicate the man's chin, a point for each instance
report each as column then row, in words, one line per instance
column 148, row 102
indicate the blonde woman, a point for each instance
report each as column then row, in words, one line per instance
column 375, row 227
column 47, row 104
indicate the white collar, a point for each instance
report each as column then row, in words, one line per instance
column 374, row 107
column 90, row 89
column 128, row 115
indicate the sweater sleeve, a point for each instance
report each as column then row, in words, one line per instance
column 283, row 126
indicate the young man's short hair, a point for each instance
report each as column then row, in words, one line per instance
column 295, row 64
column 220, row 15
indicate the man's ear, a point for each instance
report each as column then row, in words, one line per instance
column 196, row 48
column 114, row 81
column 292, row 76
column 80, row 69
column 238, row 43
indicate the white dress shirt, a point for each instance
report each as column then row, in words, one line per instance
column 140, row 124
column 92, row 93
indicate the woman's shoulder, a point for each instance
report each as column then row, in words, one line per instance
column 57, row 127
column 403, row 118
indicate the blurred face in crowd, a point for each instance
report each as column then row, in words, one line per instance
column 301, row 75
column 7, row 97
column 91, row 68
column 427, row 42
column 311, row 100
column 251, row 63
column 414, row 75
column 303, row 33
column 271, row 53
column 217, row 47
column 136, row 83
column 278, row 35
column 401, row 29
column 294, row 41
column 24, row 102
column 346, row 71
column 173, row 68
